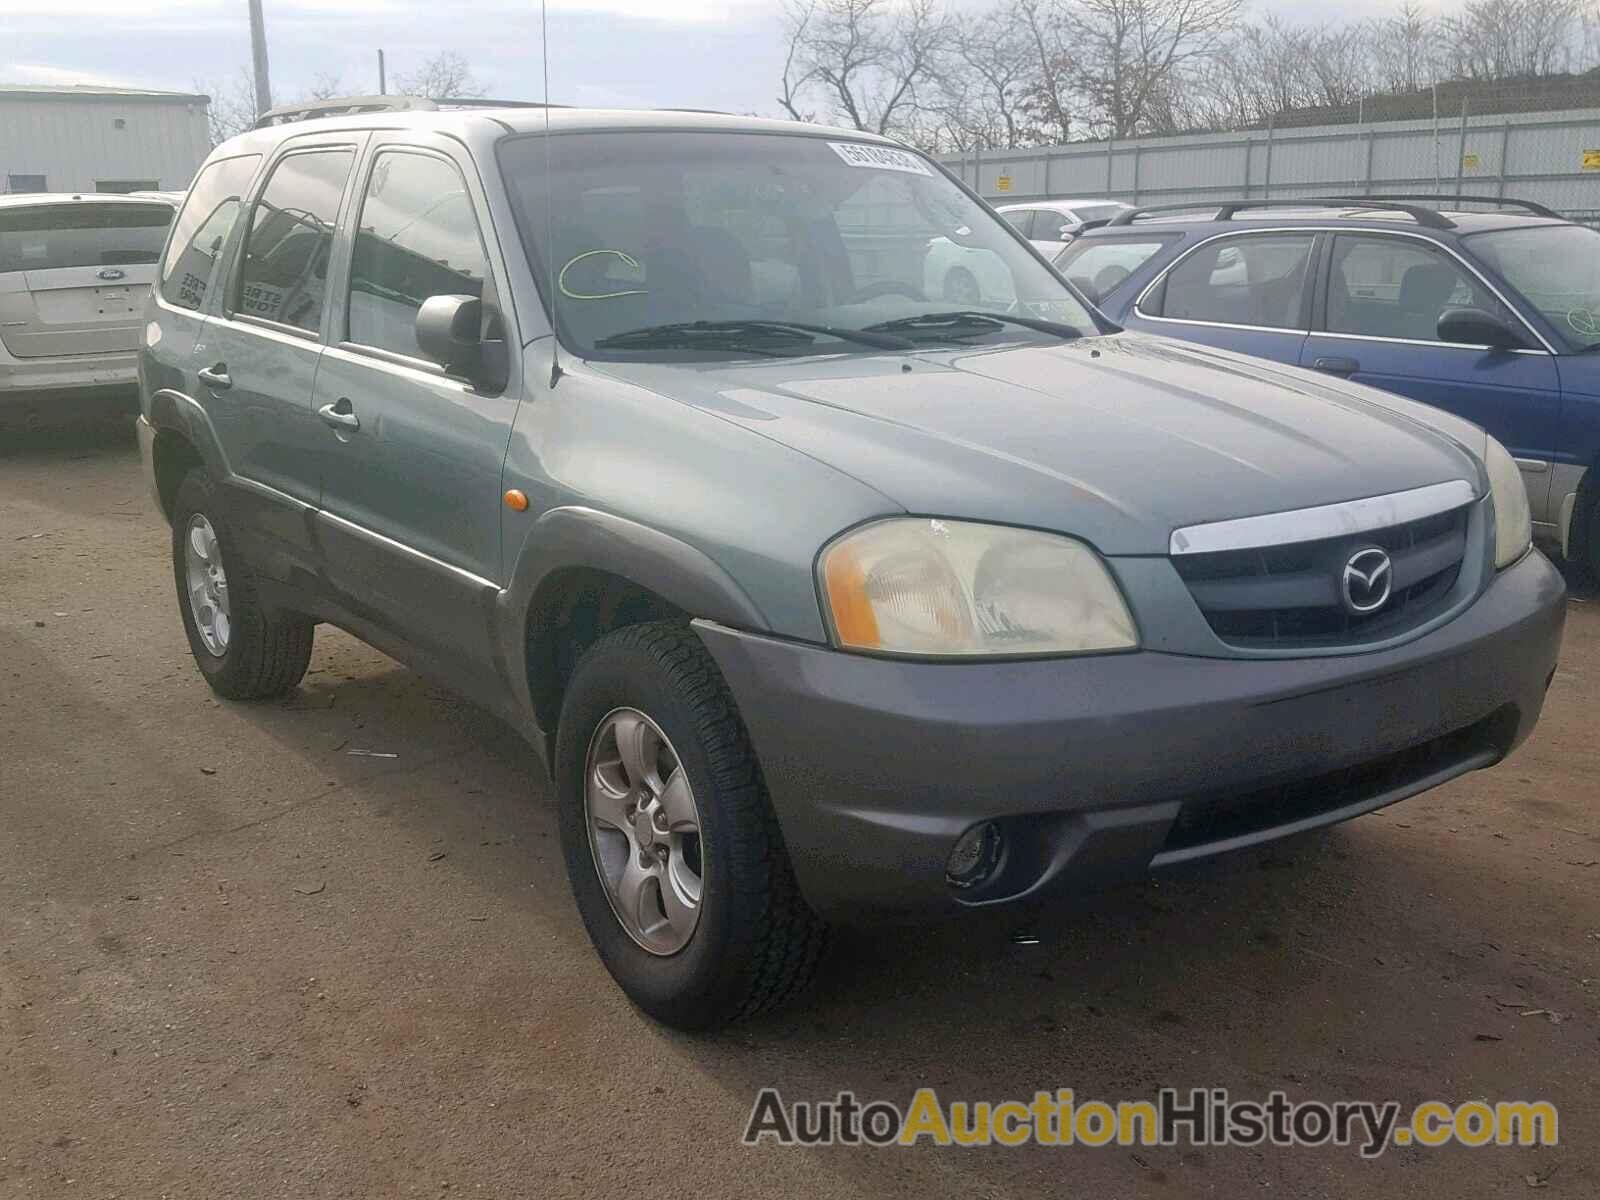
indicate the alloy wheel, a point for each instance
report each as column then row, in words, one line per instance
column 644, row 831
column 207, row 585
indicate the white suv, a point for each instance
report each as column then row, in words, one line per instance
column 75, row 271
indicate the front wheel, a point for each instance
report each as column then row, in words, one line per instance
column 672, row 849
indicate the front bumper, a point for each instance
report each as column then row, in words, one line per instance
column 1100, row 768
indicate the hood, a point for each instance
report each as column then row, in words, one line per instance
column 1117, row 440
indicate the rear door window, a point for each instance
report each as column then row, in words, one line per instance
column 56, row 236
column 202, row 228
column 416, row 238
column 1397, row 287
column 283, row 274
column 1021, row 220
column 1253, row 279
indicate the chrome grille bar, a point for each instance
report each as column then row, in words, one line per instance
column 1327, row 521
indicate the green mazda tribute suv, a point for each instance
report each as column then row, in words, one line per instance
column 825, row 596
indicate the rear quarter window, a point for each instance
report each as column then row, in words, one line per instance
column 202, row 228
column 54, row 236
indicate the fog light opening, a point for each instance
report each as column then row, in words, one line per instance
column 974, row 858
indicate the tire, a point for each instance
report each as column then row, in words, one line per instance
column 1584, row 547
column 754, row 942
column 961, row 287
column 264, row 653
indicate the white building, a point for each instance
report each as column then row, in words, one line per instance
column 95, row 139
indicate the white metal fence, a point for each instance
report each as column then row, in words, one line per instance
column 1550, row 157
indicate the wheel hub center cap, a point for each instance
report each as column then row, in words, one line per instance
column 644, row 826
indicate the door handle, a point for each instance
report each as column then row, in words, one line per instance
column 1337, row 365
column 215, row 378
column 341, row 414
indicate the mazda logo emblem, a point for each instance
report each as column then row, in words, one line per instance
column 110, row 273
column 1368, row 581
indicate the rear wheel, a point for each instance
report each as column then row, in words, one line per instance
column 245, row 651
column 1583, row 545
column 674, row 854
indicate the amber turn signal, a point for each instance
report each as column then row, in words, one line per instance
column 516, row 501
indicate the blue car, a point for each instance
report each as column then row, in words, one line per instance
column 1493, row 315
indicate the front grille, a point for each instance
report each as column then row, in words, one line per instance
column 1206, row 820
column 1291, row 596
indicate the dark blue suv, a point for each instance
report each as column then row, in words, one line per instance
column 1488, row 308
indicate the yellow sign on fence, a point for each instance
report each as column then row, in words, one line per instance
column 1003, row 184
column 1591, row 160
column 1470, row 162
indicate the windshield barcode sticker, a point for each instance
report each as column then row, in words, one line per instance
column 884, row 158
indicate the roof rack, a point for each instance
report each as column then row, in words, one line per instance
column 1227, row 208
column 347, row 106
column 1445, row 200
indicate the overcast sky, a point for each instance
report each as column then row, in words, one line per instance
column 624, row 53
column 725, row 54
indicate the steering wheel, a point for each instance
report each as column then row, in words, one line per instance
column 887, row 287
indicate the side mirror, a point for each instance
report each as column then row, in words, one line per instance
column 448, row 333
column 1475, row 327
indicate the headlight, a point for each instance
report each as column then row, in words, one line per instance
column 929, row 587
column 1513, row 526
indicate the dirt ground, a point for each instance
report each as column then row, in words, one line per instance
column 239, row 960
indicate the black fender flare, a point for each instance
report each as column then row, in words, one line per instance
column 574, row 536
column 173, row 412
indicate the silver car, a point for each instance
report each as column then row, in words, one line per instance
column 75, row 271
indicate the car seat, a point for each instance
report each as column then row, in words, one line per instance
column 1424, row 291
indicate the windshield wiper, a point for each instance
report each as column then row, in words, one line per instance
column 691, row 334
column 970, row 322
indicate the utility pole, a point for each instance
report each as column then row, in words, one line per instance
column 383, row 83
column 258, row 56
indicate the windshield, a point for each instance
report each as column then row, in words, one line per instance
column 1557, row 267
column 716, row 245
column 82, row 235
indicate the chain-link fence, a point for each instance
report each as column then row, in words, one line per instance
column 1498, row 140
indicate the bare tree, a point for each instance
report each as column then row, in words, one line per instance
column 326, row 87
column 797, row 15
column 1048, row 100
column 1339, row 65
column 1404, row 47
column 446, row 74
column 232, row 110
column 980, row 89
column 1510, row 39
column 1129, row 53
column 865, row 58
